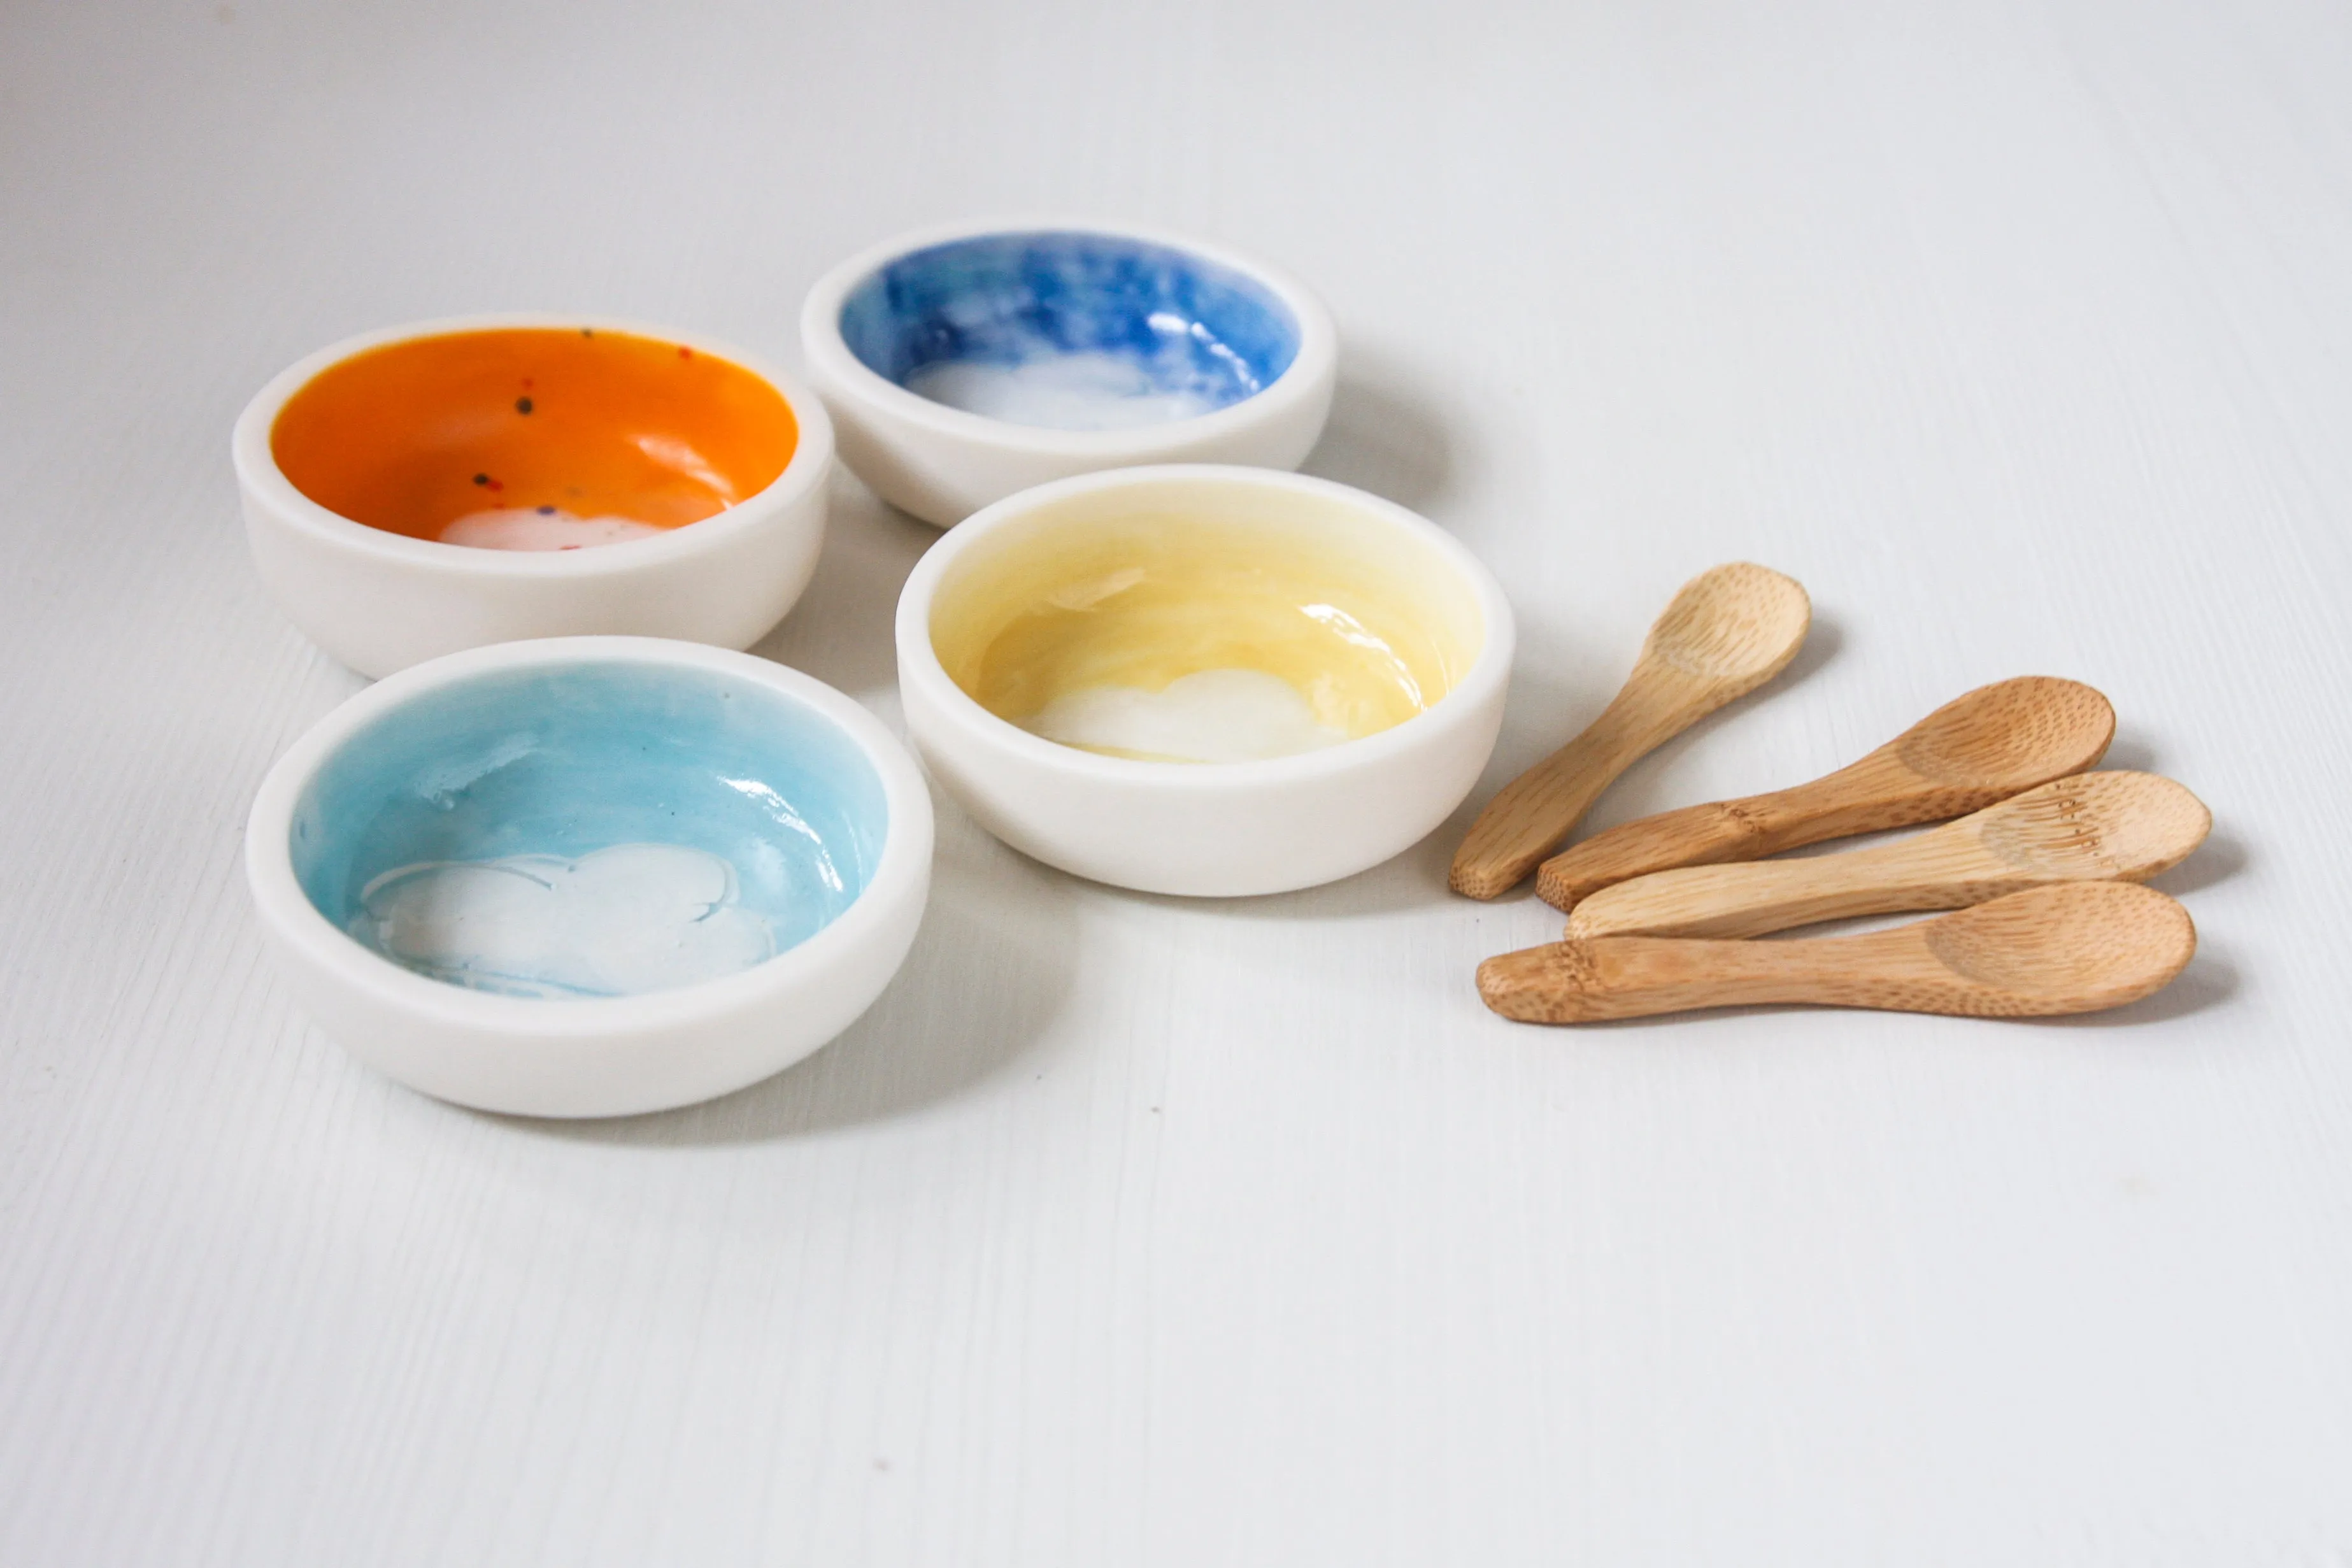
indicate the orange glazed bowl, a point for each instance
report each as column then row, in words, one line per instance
column 443, row 485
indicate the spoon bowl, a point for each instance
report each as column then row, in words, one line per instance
column 2006, row 735
column 1740, row 622
column 2096, row 827
column 2077, row 946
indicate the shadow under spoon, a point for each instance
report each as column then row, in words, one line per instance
column 1981, row 747
column 2074, row 947
column 2103, row 827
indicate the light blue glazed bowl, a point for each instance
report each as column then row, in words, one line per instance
column 591, row 875
column 962, row 365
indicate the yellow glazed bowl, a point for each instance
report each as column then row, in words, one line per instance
column 1203, row 679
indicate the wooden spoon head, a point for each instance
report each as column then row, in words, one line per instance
column 2098, row 826
column 2070, row 947
column 2011, row 733
column 1738, row 623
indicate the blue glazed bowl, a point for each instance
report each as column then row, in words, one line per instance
column 960, row 365
column 1068, row 330
column 591, row 875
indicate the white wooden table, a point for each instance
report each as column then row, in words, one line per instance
column 1132, row 1231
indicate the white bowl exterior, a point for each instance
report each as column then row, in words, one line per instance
column 613, row 1056
column 943, row 464
column 655, row 1065
column 943, row 476
column 1144, row 832
column 379, row 602
column 377, row 616
column 1216, row 830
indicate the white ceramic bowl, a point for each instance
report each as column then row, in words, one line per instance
column 425, row 440
column 1086, row 606
column 542, row 878
column 1057, row 347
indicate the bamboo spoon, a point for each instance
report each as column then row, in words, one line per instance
column 2074, row 947
column 1728, row 632
column 1981, row 747
column 2094, row 828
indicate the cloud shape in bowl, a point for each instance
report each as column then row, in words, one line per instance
column 617, row 922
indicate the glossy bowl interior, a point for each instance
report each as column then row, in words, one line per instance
column 1069, row 330
column 1219, row 624
column 532, row 437
column 595, row 829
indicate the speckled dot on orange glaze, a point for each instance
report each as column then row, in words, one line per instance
column 533, row 424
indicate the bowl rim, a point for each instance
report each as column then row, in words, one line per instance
column 903, row 866
column 919, row 660
column 829, row 355
column 265, row 482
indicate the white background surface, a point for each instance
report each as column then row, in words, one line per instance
column 1128, row 1230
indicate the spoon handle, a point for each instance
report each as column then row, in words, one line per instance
column 2068, row 947
column 1536, row 810
column 1578, row 982
column 1867, row 796
column 2015, row 734
column 1740, row 900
